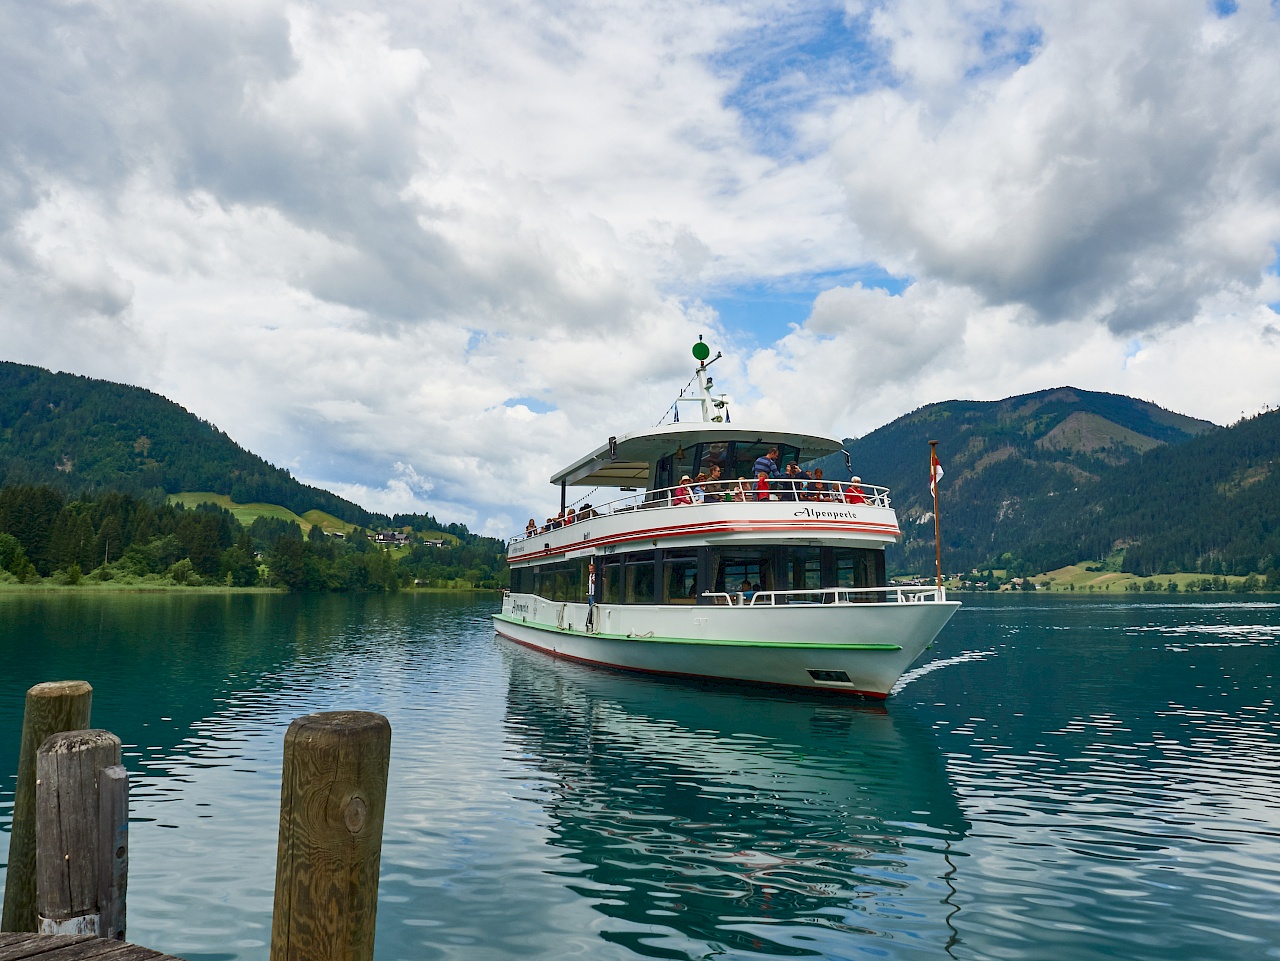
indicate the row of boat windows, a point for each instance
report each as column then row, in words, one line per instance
column 682, row 576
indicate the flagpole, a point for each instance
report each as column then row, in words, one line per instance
column 937, row 523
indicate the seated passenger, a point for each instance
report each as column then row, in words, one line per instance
column 817, row 488
column 700, row 489
column 852, row 493
column 745, row 589
column 586, row 512
column 570, row 517
column 682, row 494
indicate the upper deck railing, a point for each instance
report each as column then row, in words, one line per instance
column 742, row 491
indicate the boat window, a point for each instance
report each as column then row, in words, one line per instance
column 753, row 567
column 518, row 576
column 612, row 582
column 859, row 567
column 712, row 455
column 638, row 579
column 803, row 568
column 566, row 581
column 680, row 577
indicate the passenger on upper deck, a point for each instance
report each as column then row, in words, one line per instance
column 817, row 488
column 530, row 528
column 682, row 493
column 852, row 493
column 762, row 485
column 768, row 463
column 700, row 489
column 570, row 517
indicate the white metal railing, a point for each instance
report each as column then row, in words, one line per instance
column 742, row 491
column 904, row 594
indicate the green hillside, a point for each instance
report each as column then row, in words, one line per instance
column 246, row 514
column 79, row 434
column 1209, row 506
column 1006, row 462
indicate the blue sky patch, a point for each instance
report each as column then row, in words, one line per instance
column 535, row 405
column 765, row 310
column 1224, row 8
column 787, row 66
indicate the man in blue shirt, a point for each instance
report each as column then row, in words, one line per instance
column 768, row 463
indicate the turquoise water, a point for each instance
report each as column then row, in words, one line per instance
column 1059, row 779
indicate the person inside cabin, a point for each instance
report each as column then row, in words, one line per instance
column 745, row 588
column 762, row 485
column 853, row 492
column 682, row 495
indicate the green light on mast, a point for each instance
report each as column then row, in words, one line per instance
column 701, row 351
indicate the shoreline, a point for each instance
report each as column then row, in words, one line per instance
column 107, row 587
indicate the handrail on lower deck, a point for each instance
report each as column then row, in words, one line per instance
column 906, row 594
column 741, row 491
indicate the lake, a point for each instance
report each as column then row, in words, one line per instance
column 1060, row 778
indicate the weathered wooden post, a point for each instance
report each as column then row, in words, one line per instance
column 332, row 798
column 82, row 823
column 51, row 707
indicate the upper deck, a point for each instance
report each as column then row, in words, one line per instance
column 852, row 515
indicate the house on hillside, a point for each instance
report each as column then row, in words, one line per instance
column 394, row 538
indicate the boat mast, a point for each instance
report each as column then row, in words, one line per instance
column 715, row 408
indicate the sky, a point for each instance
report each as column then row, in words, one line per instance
column 424, row 254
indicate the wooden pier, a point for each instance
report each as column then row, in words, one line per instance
column 72, row 947
column 68, row 869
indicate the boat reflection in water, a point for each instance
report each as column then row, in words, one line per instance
column 724, row 822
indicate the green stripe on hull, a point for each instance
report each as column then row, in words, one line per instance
column 707, row 642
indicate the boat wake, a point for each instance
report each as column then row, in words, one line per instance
column 938, row 665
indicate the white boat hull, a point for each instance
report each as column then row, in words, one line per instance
column 859, row 649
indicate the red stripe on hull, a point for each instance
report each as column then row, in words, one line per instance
column 875, row 695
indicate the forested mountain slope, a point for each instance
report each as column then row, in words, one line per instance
column 1210, row 505
column 1007, row 463
column 80, row 434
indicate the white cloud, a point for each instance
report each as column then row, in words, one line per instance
column 353, row 236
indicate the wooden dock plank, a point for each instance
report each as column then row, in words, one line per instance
column 72, row 947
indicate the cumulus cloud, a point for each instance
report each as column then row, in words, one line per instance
column 424, row 254
column 1126, row 172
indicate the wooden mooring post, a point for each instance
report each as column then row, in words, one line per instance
column 332, row 799
column 50, row 708
column 82, row 840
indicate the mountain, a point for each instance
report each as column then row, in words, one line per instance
column 80, row 434
column 1210, row 505
column 1005, row 461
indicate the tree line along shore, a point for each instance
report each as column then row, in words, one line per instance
column 126, row 541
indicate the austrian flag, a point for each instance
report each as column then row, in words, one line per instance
column 935, row 471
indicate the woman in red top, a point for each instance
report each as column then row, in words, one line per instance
column 851, row 493
column 682, row 495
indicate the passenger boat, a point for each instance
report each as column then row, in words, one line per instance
column 772, row 581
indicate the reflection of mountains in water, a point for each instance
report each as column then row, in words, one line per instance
column 720, row 815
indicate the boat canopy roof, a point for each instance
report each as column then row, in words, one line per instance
column 628, row 461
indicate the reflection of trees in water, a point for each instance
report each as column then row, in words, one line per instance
column 737, row 819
